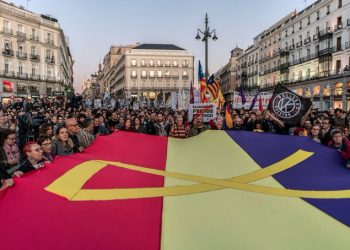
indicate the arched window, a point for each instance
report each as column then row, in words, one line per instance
column 338, row 88
column 317, row 90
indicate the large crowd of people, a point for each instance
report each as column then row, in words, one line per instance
column 34, row 132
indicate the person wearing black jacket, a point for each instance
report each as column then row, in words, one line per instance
column 150, row 129
column 34, row 158
column 24, row 124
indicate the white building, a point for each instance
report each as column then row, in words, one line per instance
column 309, row 51
column 35, row 59
column 151, row 71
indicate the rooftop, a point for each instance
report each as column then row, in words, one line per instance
column 158, row 47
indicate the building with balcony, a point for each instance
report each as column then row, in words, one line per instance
column 108, row 68
column 148, row 71
column 35, row 56
column 227, row 75
column 309, row 51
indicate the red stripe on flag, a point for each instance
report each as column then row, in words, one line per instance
column 42, row 220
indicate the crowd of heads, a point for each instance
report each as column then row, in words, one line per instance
column 33, row 133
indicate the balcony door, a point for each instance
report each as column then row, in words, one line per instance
column 338, row 43
column 339, row 22
column 338, row 66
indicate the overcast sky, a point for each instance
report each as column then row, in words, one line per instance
column 94, row 25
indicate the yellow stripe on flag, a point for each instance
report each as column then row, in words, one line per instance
column 235, row 219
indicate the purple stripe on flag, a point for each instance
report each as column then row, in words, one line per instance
column 322, row 171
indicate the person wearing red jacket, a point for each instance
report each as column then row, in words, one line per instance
column 341, row 144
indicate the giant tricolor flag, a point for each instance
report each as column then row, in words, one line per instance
column 218, row 190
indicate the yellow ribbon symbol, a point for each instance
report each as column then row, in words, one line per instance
column 70, row 184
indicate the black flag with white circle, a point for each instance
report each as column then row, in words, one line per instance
column 288, row 106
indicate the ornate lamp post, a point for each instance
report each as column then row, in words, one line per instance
column 207, row 34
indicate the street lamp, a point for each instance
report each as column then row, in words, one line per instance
column 207, row 34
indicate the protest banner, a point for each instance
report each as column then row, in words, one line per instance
column 208, row 111
column 237, row 100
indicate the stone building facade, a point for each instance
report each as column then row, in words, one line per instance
column 309, row 51
column 35, row 58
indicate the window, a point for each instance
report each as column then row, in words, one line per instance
column 286, row 33
column 340, row 3
column 318, row 15
column 49, row 54
column 159, row 73
column 20, row 49
column 33, row 70
column 6, row 24
column 133, row 62
column 293, row 29
column 184, row 73
column 151, row 63
column 175, row 64
column 159, row 63
column 308, row 72
column 33, row 50
column 20, row 28
column 133, row 74
column 308, row 20
column 300, row 25
column 300, row 75
column 168, row 63
column 7, row 66
column 151, row 74
column 143, row 63
column 167, row 73
column 20, row 68
column 49, row 36
column 144, row 73
column 300, row 38
column 328, row 9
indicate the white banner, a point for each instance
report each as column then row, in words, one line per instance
column 237, row 100
column 97, row 103
column 88, row 103
column 208, row 111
